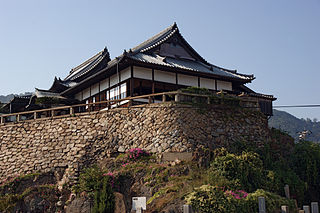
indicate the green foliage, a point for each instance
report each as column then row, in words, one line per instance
column 98, row 186
column 47, row 193
column 214, row 99
column 7, row 202
column 245, row 170
column 208, row 198
column 47, row 101
column 196, row 90
column 305, row 162
column 273, row 201
column 103, row 197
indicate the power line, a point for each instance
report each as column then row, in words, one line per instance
column 301, row 106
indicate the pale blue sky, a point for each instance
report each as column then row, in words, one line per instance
column 276, row 40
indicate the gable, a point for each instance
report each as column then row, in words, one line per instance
column 175, row 50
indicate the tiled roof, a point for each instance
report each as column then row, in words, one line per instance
column 140, row 53
column 143, row 53
column 186, row 64
column 86, row 66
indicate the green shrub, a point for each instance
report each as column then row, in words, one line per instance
column 245, row 170
column 208, row 198
column 98, row 185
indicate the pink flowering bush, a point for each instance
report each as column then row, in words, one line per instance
column 209, row 198
column 137, row 153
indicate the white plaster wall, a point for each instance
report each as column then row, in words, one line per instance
column 86, row 93
column 104, row 84
column 144, row 73
column 224, row 85
column 163, row 76
column 187, row 80
column 125, row 74
column 208, row 83
column 95, row 89
column 78, row 96
column 114, row 79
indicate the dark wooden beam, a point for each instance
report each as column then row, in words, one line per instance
column 153, row 84
column 131, row 82
column 215, row 84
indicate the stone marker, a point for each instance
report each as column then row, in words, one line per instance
column 262, row 205
column 287, row 191
column 284, row 209
column 306, row 209
column 187, row 209
column 139, row 204
column 301, row 211
column 314, row 207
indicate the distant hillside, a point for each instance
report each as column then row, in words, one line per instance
column 7, row 98
column 290, row 124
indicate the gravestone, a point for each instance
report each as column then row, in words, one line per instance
column 187, row 209
column 284, row 209
column 139, row 204
column 287, row 191
column 314, row 207
column 306, row 209
column 262, row 205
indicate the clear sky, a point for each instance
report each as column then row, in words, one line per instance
column 276, row 40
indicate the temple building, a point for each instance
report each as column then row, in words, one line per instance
column 165, row 62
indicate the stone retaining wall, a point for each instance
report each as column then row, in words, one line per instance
column 43, row 145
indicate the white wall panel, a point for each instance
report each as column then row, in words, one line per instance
column 94, row 89
column 187, row 80
column 114, row 79
column 78, row 96
column 208, row 83
column 163, row 76
column 104, row 84
column 144, row 73
column 86, row 93
column 224, row 85
column 125, row 74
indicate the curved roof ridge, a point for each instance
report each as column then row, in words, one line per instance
column 85, row 62
column 154, row 39
column 88, row 65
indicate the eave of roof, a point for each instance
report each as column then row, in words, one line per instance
column 87, row 66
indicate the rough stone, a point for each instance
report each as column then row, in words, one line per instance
column 32, row 146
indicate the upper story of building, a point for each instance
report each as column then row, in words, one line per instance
column 165, row 62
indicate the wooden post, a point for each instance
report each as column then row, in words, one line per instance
column 130, row 103
column 150, row 100
column 177, row 98
column 52, row 113
column 1, row 120
column 18, row 117
column 71, row 111
column 164, row 98
column 35, row 115
column 208, row 100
